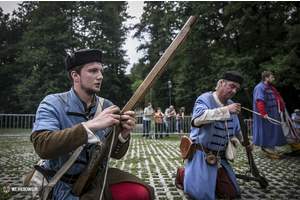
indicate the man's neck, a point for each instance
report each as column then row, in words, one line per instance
column 84, row 97
column 222, row 100
column 266, row 83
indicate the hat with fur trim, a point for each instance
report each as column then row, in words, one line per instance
column 83, row 56
column 232, row 76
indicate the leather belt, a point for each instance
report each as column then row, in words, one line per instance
column 208, row 151
column 65, row 178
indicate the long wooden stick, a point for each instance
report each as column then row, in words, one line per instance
column 269, row 118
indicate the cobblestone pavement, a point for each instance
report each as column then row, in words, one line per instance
column 156, row 161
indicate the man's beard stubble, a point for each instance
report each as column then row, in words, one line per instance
column 271, row 83
column 89, row 91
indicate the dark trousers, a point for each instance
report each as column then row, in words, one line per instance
column 169, row 128
column 146, row 127
column 158, row 129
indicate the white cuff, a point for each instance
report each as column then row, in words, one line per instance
column 122, row 139
column 92, row 138
column 211, row 115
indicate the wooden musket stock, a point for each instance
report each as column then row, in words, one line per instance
column 81, row 185
column 253, row 169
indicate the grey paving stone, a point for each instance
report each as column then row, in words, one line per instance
column 156, row 161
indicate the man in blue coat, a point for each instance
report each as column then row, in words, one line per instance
column 214, row 113
column 67, row 120
column 267, row 134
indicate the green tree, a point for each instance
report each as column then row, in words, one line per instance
column 249, row 37
column 47, row 32
column 11, row 29
column 41, row 61
column 6, row 81
column 157, row 25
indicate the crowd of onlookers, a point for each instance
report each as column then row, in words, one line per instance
column 165, row 122
column 171, row 122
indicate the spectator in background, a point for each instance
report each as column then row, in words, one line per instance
column 159, row 123
column 177, row 124
column 180, row 120
column 296, row 119
column 169, row 113
column 148, row 113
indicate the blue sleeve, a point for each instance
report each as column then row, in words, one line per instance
column 199, row 108
column 47, row 117
column 258, row 93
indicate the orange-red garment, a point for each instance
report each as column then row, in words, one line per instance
column 279, row 101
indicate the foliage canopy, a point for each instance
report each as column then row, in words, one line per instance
column 249, row 37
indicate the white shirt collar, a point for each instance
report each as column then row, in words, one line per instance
column 217, row 99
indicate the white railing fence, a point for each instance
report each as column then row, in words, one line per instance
column 16, row 124
column 21, row 124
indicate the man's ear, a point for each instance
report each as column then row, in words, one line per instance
column 75, row 76
column 222, row 82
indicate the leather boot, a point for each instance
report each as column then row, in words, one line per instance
column 271, row 155
column 295, row 146
column 178, row 182
column 295, row 149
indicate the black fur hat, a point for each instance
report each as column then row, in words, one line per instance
column 232, row 76
column 81, row 57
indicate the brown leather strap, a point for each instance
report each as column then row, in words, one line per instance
column 208, row 151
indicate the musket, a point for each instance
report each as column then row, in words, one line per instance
column 253, row 169
column 100, row 153
column 245, row 177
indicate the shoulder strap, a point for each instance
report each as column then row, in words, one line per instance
column 61, row 171
column 100, row 106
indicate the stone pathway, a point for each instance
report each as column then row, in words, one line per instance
column 156, row 161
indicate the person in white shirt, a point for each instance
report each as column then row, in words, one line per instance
column 148, row 113
column 169, row 113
